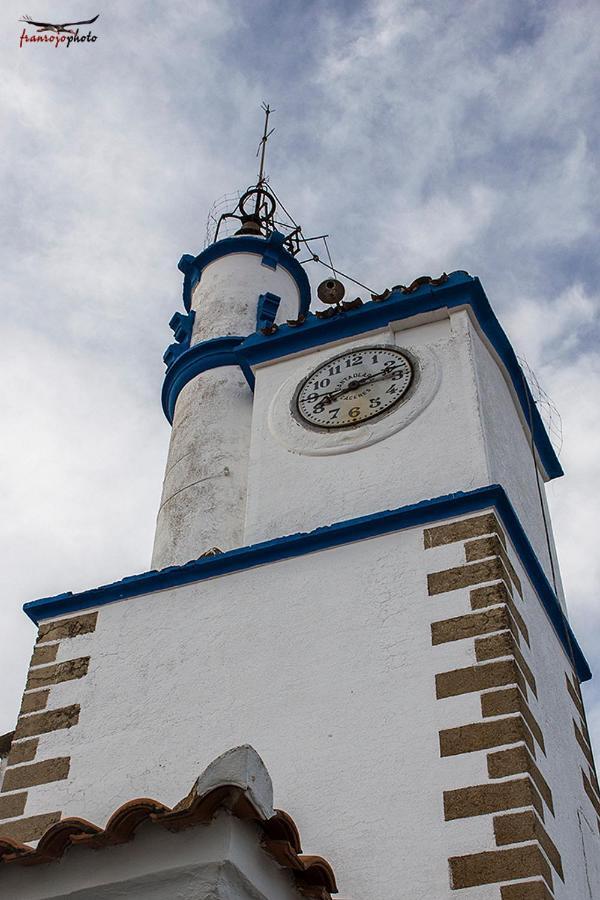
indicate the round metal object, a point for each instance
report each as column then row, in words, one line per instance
column 247, row 203
column 331, row 291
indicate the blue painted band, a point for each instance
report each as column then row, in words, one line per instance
column 182, row 327
column 460, row 290
column 272, row 251
column 340, row 533
column 206, row 355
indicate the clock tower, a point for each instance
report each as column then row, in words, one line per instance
column 354, row 584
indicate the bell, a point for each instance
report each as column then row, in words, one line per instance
column 331, row 291
column 250, row 225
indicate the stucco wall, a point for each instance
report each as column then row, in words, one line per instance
column 325, row 664
column 294, row 485
column 322, row 663
column 226, row 298
column 204, row 490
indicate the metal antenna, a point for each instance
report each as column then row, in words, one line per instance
column 256, row 207
column 262, row 149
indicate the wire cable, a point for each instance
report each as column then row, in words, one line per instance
column 544, row 516
column 329, row 256
column 315, row 257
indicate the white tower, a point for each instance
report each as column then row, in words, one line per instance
column 205, row 488
column 384, row 624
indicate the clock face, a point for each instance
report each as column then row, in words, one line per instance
column 354, row 387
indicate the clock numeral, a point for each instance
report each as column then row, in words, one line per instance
column 377, row 374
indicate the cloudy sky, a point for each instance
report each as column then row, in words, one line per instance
column 422, row 136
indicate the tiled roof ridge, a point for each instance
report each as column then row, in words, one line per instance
column 314, row 876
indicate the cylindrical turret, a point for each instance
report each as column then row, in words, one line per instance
column 204, row 491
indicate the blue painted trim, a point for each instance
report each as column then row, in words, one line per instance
column 181, row 325
column 205, row 355
column 460, row 290
column 270, row 257
column 173, row 352
column 266, row 310
column 271, row 250
column 340, row 533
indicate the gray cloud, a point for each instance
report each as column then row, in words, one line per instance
column 424, row 137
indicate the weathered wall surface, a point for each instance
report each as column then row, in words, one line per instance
column 204, row 491
column 380, row 681
column 226, row 299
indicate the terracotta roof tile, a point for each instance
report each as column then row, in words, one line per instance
column 313, row 874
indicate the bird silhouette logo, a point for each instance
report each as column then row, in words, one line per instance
column 64, row 28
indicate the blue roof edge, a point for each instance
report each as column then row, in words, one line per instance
column 300, row 544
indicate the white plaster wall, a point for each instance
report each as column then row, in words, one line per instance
column 470, row 434
column 324, row 664
column 439, row 451
column 204, row 491
column 508, row 450
column 226, row 298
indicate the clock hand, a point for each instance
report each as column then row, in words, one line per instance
column 329, row 396
column 356, row 383
column 378, row 376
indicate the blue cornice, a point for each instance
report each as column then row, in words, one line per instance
column 206, row 355
column 271, row 250
column 340, row 533
column 459, row 290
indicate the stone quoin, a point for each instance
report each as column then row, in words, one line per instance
column 354, row 592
